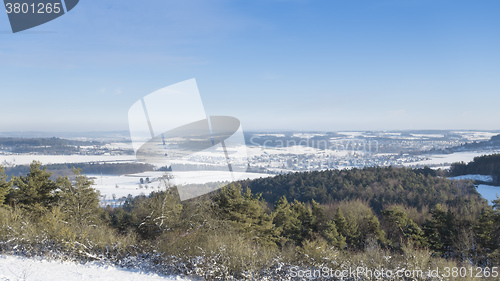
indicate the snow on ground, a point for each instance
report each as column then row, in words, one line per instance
column 121, row 186
column 270, row 135
column 474, row 177
column 351, row 134
column 307, row 135
column 119, row 145
column 428, row 135
column 33, row 269
column 26, row 159
column 489, row 192
column 199, row 177
column 477, row 136
column 296, row 150
column 452, row 158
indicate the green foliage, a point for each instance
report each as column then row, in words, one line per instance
column 5, row 186
column 287, row 222
column 440, row 231
column 248, row 213
column 483, row 165
column 35, row 192
column 401, row 230
column 332, row 235
column 235, row 233
column 379, row 186
column 358, row 225
column 149, row 216
column 340, row 222
column 487, row 233
column 66, row 169
column 44, row 145
column 298, row 222
column 79, row 201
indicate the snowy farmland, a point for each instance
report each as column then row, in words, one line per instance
column 35, row 269
column 483, row 178
column 116, row 187
column 489, row 192
column 446, row 159
column 352, row 150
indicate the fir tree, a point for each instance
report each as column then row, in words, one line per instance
column 36, row 191
column 5, row 186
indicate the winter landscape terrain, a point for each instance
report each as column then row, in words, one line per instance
column 269, row 154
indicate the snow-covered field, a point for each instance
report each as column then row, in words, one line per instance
column 307, row 135
column 489, row 192
column 270, row 135
column 351, row 134
column 124, row 185
column 476, row 135
column 33, row 269
column 428, row 135
column 442, row 159
column 474, row 177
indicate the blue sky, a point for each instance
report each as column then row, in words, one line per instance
column 274, row 64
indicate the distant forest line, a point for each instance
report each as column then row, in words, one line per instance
column 488, row 165
column 54, row 146
column 66, row 169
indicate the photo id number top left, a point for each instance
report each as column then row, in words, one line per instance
column 26, row 14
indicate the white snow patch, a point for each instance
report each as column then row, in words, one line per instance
column 119, row 145
column 428, row 135
column 307, row 135
column 121, row 186
column 477, row 136
column 20, row 268
column 270, row 135
column 441, row 159
column 474, row 177
column 351, row 134
column 489, row 192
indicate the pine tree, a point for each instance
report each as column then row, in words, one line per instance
column 318, row 217
column 35, row 192
column 333, row 237
column 286, row 221
column 371, row 229
column 248, row 214
column 487, row 235
column 402, row 229
column 5, row 186
column 305, row 216
column 79, row 201
column 340, row 222
column 440, row 231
